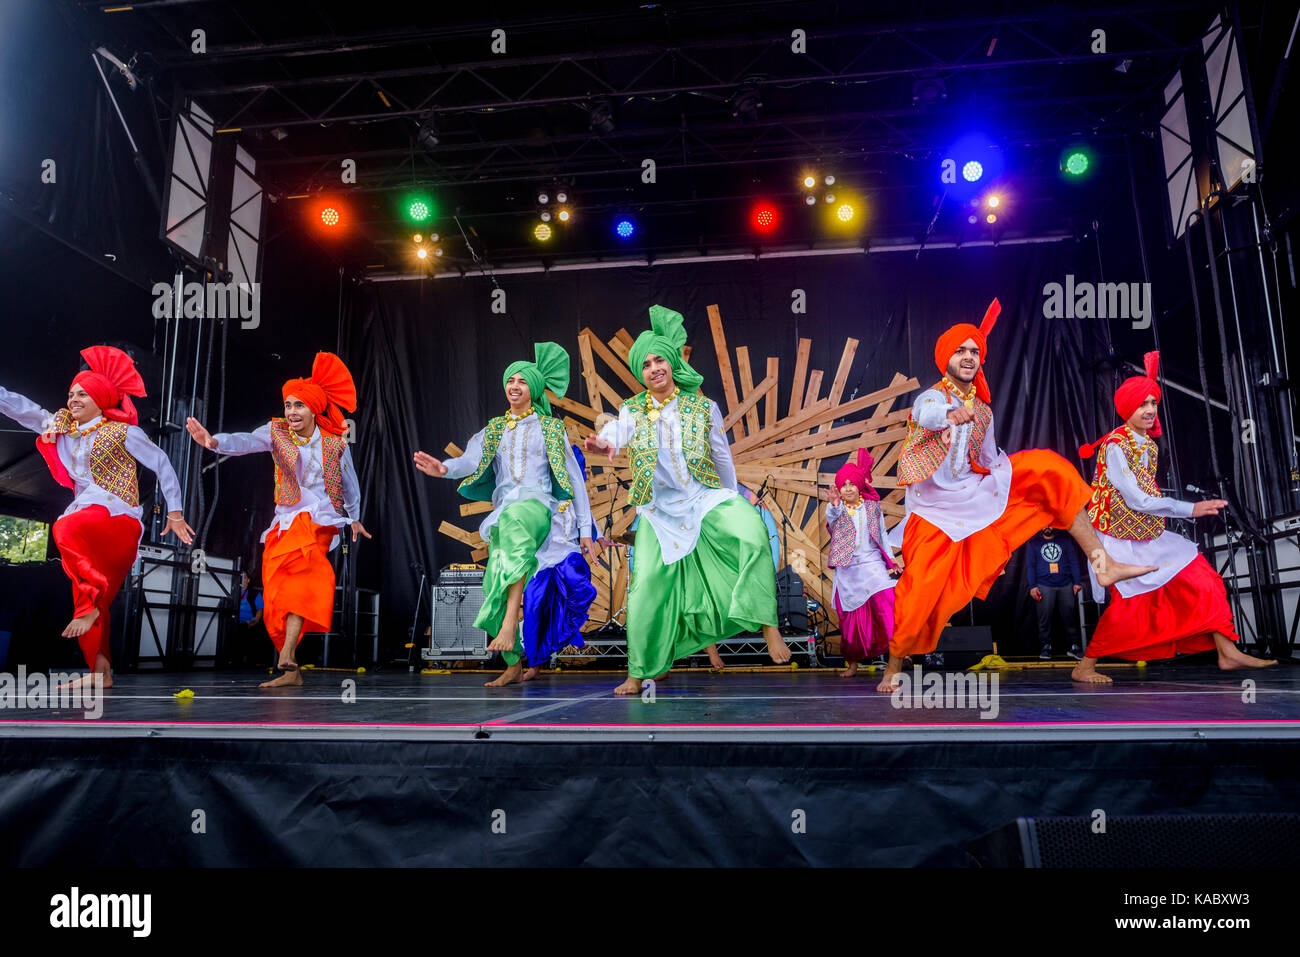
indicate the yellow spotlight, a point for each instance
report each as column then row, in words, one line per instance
column 993, row 201
column 991, row 218
column 418, row 238
column 809, row 182
column 564, row 215
column 845, row 213
column 422, row 252
column 542, row 232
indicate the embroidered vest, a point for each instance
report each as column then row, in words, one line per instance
column 284, row 453
column 112, row 467
column 643, row 447
column 480, row 486
column 844, row 533
column 924, row 451
column 1107, row 510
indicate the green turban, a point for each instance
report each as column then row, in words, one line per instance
column 548, row 370
column 665, row 339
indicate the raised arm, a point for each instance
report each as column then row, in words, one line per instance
column 930, row 411
column 244, row 443
column 24, row 411
column 1122, row 477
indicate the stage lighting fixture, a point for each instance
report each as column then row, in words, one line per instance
column 418, row 210
column 433, row 237
column 329, row 215
column 437, row 251
column 418, row 238
column 427, row 134
column 602, row 118
column 845, row 213
column 810, row 199
column 563, row 215
column 542, row 232
column 763, row 217
column 561, row 197
column 972, row 171
column 991, row 218
column 543, row 198
column 745, row 104
column 972, row 219
column 625, row 229
column 829, row 181
column 546, row 216
column 829, row 197
column 809, row 182
column 422, row 252
column 993, row 200
column 1076, row 163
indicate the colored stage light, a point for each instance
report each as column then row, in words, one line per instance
column 972, row 171
column 993, row 201
column 625, row 228
column 542, row 232
column 329, row 215
column 763, row 217
column 809, row 182
column 1076, row 164
column 845, row 213
column 418, row 238
column 991, row 218
column 422, row 252
column 563, row 215
column 418, row 211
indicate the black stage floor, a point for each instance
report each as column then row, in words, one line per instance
column 744, row 704
column 764, row 767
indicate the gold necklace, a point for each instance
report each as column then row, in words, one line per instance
column 512, row 420
column 967, row 400
column 656, row 408
column 82, row 433
column 296, row 439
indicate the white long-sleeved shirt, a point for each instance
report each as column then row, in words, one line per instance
column 1170, row 552
column 310, row 472
column 522, row 471
column 956, row 499
column 74, row 453
column 678, row 501
column 867, row 574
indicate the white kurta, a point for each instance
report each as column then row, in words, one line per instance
column 310, row 472
column 956, row 499
column 1170, row 553
column 522, row 471
column 74, row 453
column 678, row 502
column 867, row 573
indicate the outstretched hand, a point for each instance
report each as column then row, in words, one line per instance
column 961, row 415
column 427, row 464
column 176, row 523
column 1210, row 506
column 359, row 529
column 835, row 496
column 591, row 550
column 199, row 433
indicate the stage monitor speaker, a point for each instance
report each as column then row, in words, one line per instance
column 457, row 597
column 964, row 645
column 791, row 605
column 1158, row 840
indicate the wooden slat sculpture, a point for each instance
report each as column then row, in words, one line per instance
column 787, row 452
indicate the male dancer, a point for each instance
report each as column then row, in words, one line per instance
column 1181, row 607
column 703, row 566
column 92, row 446
column 968, row 504
column 315, row 485
column 523, row 464
column 863, row 592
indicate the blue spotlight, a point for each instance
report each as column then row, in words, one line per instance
column 625, row 228
column 972, row 171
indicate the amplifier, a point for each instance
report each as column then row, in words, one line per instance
column 457, row 597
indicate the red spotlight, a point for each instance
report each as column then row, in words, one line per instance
column 763, row 217
column 329, row 216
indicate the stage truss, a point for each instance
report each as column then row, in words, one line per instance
column 789, row 452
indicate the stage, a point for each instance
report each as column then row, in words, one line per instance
column 761, row 766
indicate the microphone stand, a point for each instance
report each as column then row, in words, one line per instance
column 785, row 553
column 415, row 621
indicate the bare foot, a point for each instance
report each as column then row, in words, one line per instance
column 502, row 642
column 1232, row 658
column 286, row 662
column 850, row 671
column 288, row 679
column 88, row 681
column 79, row 626
column 1086, row 672
column 715, row 659
column 530, row 674
column 509, row 676
column 777, row 649
column 1119, row 571
column 630, row 686
column 890, row 682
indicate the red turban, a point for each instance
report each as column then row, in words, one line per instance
column 110, row 381
column 859, row 473
column 1130, row 396
column 956, row 335
column 329, row 389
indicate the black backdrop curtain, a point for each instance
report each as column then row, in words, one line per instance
column 429, row 354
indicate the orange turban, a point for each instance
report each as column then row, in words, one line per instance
column 956, row 335
column 110, row 381
column 329, row 389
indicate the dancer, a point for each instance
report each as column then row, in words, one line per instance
column 92, row 446
column 1180, row 607
column 969, row 505
column 703, row 566
column 863, row 592
column 316, row 494
column 523, row 464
